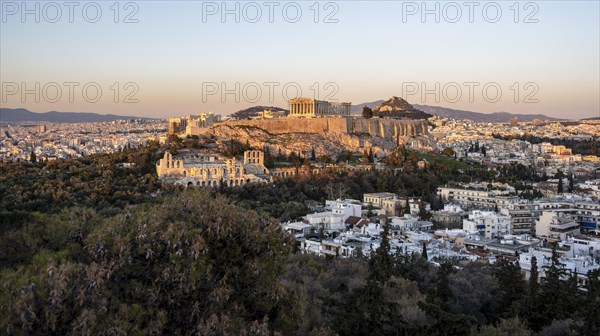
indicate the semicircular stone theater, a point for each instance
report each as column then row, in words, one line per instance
column 190, row 168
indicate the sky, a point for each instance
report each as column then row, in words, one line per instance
column 175, row 58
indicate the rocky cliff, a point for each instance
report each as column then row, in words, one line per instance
column 327, row 136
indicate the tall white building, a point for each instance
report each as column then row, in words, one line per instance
column 487, row 223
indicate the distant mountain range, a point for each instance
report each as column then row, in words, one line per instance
column 24, row 115
column 481, row 117
column 461, row 114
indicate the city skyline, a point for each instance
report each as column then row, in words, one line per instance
column 180, row 60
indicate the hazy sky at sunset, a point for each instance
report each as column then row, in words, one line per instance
column 180, row 56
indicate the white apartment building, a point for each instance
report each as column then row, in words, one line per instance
column 471, row 198
column 487, row 223
column 557, row 224
column 346, row 208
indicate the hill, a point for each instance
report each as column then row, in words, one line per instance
column 254, row 110
column 397, row 107
column 22, row 115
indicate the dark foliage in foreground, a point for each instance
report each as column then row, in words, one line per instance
column 214, row 262
column 194, row 263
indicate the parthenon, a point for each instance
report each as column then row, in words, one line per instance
column 309, row 107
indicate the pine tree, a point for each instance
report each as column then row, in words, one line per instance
column 424, row 252
column 32, row 157
column 367, row 112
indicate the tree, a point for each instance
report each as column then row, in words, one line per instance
column 560, row 186
column 448, row 152
column 382, row 262
column 407, row 207
column 558, row 299
column 365, row 157
column 367, row 310
column 533, row 280
column 313, row 155
column 32, row 157
column 367, row 112
column 571, row 183
column 590, row 324
column 423, row 213
column 506, row 327
column 440, row 294
column 424, row 252
column 511, row 286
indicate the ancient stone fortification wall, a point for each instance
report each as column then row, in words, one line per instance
column 385, row 128
column 389, row 128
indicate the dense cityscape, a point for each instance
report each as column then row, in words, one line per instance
column 475, row 197
column 310, row 168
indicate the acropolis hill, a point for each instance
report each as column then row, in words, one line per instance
column 327, row 136
column 328, row 129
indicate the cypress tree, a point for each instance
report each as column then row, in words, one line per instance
column 511, row 286
column 554, row 298
column 571, row 182
column 533, row 280
column 589, row 316
column 560, row 186
column 382, row 262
